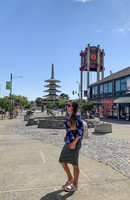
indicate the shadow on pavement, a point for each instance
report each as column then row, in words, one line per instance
column 57, row 195
column 117, row 121
column 94, row 133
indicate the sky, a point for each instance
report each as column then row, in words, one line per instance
column 36, row 33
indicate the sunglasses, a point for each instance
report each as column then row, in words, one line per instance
column 69, row 105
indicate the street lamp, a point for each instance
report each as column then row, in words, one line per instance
column 79, row 88
column 11, row 110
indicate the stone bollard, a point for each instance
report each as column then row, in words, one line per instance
column 103, row 128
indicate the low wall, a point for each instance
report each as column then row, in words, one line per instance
column 52, row 124
column 56, row 122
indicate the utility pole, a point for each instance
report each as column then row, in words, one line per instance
column 11, row 100
column 11, row 109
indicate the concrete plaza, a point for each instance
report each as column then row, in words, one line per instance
column 29, row 170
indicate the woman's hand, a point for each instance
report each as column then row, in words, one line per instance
column 72, row 145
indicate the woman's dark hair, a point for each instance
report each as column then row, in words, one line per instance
column 75, row 106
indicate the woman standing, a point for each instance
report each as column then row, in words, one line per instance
column 70, row 151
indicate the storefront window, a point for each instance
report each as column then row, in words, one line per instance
column 128, row 84
column 114, row 110
column 123, row 84
column 101, row 89
column 88, row 93
column 95, row 90
column 123, row 87
column 118, row 86
column 110, row 87
column 105, row 88
column 123, row 80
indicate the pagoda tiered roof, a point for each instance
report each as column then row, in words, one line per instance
column 52, row 80
column 51, row 95
column 52, row 90
column 52, row 86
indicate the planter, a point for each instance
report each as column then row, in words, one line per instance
column 103, row 128
column 26, row 117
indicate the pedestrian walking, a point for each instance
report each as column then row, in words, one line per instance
column 70, row 151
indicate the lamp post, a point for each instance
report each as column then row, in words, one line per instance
column 11, row 110
column 79, row 88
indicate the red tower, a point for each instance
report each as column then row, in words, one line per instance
column 92, row 59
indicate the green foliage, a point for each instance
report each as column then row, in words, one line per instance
column 39, row 101
column 28, row 105
column 61, row 104
column 88, row 105
column 5, row 103
column 50, row 106
column 18, row 100
column 22, row 101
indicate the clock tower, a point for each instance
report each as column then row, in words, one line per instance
column 92, row 60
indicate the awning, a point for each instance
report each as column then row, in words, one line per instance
column 122, row 100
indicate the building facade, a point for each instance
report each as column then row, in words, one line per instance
column 116, row 89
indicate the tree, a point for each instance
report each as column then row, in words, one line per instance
column 5, row 103
column 22, row 101
column 62, row 104
column 105, row 109
column 39, row 101
column 88, row 105
column 50, row 106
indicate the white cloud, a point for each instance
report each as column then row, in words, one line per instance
column 83, row 1
column 123, row 29
column 98, row 30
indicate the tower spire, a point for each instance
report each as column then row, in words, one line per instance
column 52, row 71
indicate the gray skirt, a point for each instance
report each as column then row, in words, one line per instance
column 70, row 155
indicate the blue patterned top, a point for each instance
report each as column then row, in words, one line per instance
column 72, row 134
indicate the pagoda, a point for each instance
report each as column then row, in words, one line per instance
column 52, row 96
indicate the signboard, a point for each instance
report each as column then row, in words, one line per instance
column 7, row 85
